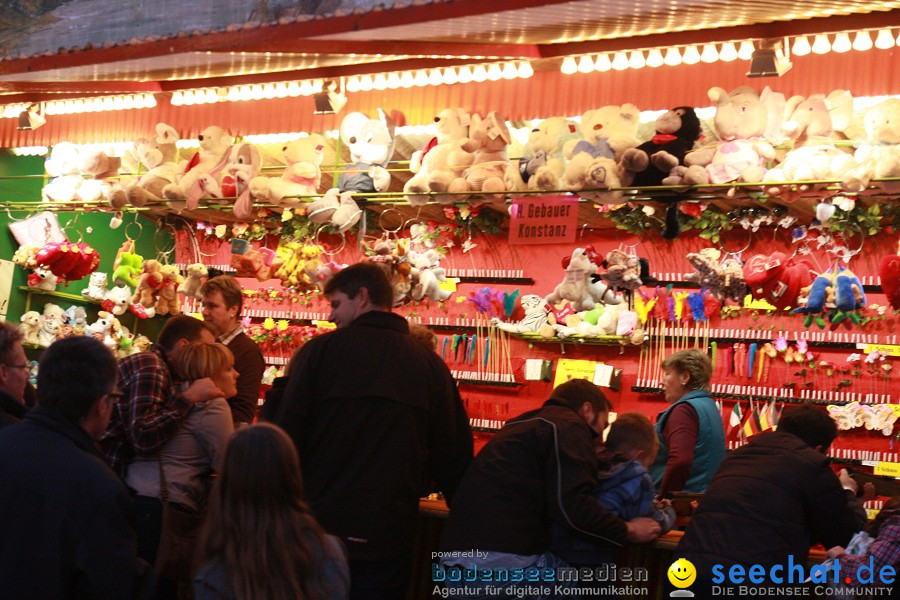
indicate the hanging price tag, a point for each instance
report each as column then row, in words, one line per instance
column 889, row 349
column 890, row 469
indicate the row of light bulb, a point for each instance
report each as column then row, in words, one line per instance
column 445, row 76
column 243, row 93
column 674, row 56
column 85, row 105
column 862, row 41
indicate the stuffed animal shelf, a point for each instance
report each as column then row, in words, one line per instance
column 243, row 165
column 300, row 178
column 544, row 163
column 677, row 130
column 201, row 175
column 488, row 140
column 439, row 167
column 534, row 320
column 371, row 145
column 156, row 158
column 877, row 156
column 723, row 278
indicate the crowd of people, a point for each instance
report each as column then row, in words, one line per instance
column 145, row 479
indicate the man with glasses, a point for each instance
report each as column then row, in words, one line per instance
column 14, row 371
column 67, row 529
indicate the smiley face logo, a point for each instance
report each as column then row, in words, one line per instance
column 682, row 573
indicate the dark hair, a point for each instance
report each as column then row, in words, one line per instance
column 891, row 507
column 259, row 497
column 10, row 335
column 363, row 275
column 631, row 432
column 230, row 289
column 180, row 327
column 74, row 373
column 423, row 335
column 810, row 424
column 574, row 393
column 693, row 362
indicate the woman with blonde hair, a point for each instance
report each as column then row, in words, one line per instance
column 260, row 539
column 178, row 475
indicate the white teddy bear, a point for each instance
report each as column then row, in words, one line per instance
column 31, row 325
column 96, row 288
column 49, row 328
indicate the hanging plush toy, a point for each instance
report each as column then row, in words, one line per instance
column 243, row 165
column 889, row 270
column 190, row 287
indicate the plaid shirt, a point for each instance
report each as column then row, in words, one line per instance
column 885, row 550
column 148, row 413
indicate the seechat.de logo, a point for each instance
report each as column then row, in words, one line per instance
column 682, row 574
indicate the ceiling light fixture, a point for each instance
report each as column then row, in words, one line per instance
column 842, row 43
column 770, row 60
column 884, row 39
column 801, row 46
column 821, row 45
column 31, row 118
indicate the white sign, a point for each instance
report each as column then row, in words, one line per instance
column 6, row 277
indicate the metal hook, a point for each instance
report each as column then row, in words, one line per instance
column 322, row 246
column 140, row 229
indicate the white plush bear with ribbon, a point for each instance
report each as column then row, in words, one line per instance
column 201, row 175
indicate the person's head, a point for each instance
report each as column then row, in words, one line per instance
column 632, row 435
column 810, row 424
column 685, row 371
column 208, row 359
column 222, row 302
column 890, row 509
column 77, row 377
column 14, row 367
column 356, row 290
column 586, row 399
column 422, row 334
column 259, row 495
column 180, row 331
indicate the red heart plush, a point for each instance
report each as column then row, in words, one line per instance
column 890, row 279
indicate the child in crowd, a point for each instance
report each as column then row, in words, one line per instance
column 624, row 487
column 883, row 550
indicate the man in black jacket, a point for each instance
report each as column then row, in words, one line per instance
column 770, row 501
column 376, row 417
column 14, row 372
column 66, row 529
column 540, row 468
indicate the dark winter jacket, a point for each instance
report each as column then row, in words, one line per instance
column 66, row 517
column 770, row 499
column 11, row 411
column 540, row 468
column 375, row 416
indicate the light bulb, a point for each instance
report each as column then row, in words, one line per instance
column 256, row 92
column 479, row 74
column 691, row 55
column 465, row 74
column 435, row 77
column 380, row 82
column 603, row 64
column 420, row 79
column 841, row 43
column 393, row 80
column 862, row 41
column 801, row 46
column 407, row 80
column 884, row 39
column 450, row 76
column 149, row 100
column 307, row 88
column 246, row 94
column 620, row 61
column 745, row 52
column 108, row 104
column 636, row 60
column 118, row 103
column 585, row 64
column 268, row 91
column 353, row 85
column 234, row 94
column 494, row 73
column 525, row 69
column 510, row 71
column 821, row 45
column 293, row 89
column 211, row 95
column 728, row 52
column 673, row 57
column 177, row 99
column 654, row 58
column 281, row 90
column 569, row 66
column 709, row 54
column 366, row 84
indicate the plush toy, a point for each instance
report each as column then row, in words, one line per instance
column 391, row 256
column 117, row 300
column 298, row 260
column 63, row 166
column 31, row 325
column 371, row 145
column 261, row 263
column 816, row 298
column 623, row 271
column 878, row 156
column 608, row 322
column 243, row 165
column 96, row 288
column 68, row 261
column 54, row 311
column 488, row 139
column 128, row 269
column 440, row 165
column 575, row 286
column 676, row 132
column 427, row 274
column 106, row 329
column 104, row 179
column 158, row 168
column 300, row 177
column 889, row 271
column 320, row 273
column 741, row 118
column 76, row 316
column 26, row 256
column 543, row 165
column 190, row 287
column 141, row 344
column 809, row 123
column 535, row 316
column 147, row 291
column 777, row 278
column 42, row 279
column 848, row 291
column 607, row 133
column 204, row 171
column 723, row 279
column 50, row 326
column 167, row 299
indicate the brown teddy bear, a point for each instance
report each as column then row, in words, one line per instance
column 151, row 280
column 167, row 297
